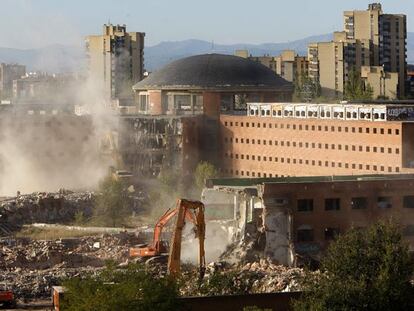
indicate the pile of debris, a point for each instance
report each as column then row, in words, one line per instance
column 32, row 267
column 262, row 276
column 37, row 284
column 45, row 207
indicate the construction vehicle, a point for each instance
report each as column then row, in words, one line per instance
column 7, row 299
column 192, row 211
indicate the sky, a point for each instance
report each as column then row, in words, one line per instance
column 29, row 24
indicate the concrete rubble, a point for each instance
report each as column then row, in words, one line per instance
column 260, row 276
column 43, row 207
column 32, row 267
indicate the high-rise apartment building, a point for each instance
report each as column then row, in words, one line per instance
column 387, row 33
column 8, row 73
column 288, row 64
column 330, row 62
column 370, row 38
column 116, row 60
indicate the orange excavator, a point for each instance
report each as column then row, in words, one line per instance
column 192, row 211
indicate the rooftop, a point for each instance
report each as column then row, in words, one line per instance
column 249, row 182
column 214, row 71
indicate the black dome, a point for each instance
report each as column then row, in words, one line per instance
column 214, row 71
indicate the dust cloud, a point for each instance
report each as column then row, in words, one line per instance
column 46, row 148
column 218, row 237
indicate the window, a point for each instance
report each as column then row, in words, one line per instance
column 382, row 131
column 359, row 203
column 331, row 233
column 408, row 230
column 389, row 131
column 332, row 204
column 397, row 132
column 408, row 201
column 304, row 235
column 384, row 202
column 305, row 205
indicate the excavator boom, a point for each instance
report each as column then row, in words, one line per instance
column 196, row 210
column 192, row 211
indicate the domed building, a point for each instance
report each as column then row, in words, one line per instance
column 177, row 123
column 209, row 83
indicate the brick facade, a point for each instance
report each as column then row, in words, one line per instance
column 270, row 147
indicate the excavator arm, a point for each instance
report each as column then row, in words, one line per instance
column 194, row 211
column 156, row 246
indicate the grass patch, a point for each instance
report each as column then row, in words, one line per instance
column 52, row 233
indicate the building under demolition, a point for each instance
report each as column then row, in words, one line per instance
column 179, row 107
column 284, row 217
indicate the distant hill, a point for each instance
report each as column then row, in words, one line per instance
column 60, row 58
column 165, row 52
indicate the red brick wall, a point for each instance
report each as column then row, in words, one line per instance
column 319, row 219
column 305, row 147
column 211, row 103
column 155, row 102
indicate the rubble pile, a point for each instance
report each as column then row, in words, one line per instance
column 32, row 267
column 262, row 276
column 37, row 284
column 45, row 207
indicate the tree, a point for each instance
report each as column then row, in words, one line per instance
column 129, row 289
column 362, row 270
column 112, row 204
column 355, row 88
column 306, row 88
column 204, row 170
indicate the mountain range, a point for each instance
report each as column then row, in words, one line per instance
column 61, row 58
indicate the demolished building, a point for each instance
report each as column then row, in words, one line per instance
column 178, row 109
column 294, row 217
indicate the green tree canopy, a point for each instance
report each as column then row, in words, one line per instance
column 112, row 204
column 204, row 170
column 306, row 88
column 129, row 289
column 355, row 88
column 363, row 270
